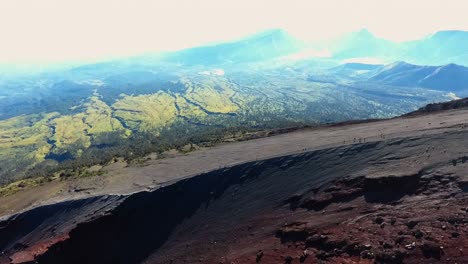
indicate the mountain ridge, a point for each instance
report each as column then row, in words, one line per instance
column 450, row 77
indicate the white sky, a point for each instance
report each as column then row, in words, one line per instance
column 61, row 30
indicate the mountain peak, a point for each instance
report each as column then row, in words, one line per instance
column 270, row 32
column 363, row 33
column 444, row 34
column 265, row 45
column 397, row 65
column 452, row 66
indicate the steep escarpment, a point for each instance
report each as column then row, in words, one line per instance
column 30, row 233
column 145, row 221
column 396, row 201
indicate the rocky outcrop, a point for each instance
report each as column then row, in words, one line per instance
column 437, row 107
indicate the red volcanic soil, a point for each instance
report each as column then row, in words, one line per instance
column 401, row 200
column 417, row 229
column 27, row 254
column 412, row 219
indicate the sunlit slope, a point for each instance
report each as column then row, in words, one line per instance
column 23, row 142
column 150, row 112
column 146, row 112
column 25, row 137
column 34, row 138
column 96, row 118
column 99, row 117
column 212, row 96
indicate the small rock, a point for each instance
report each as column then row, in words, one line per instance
column 418, row 234
column 411, row 224
column 353, row 248
column 304, row 255
column 379, row 220
column 288, row 260
column 259, row 256
column 399, row 239
column 432, row 249
column 455, row 234
column 387, row 245
column 322, row 255
column 315, row 240
column 392, row 221
column 389, row 256
column 410, row 246
column 367, row 254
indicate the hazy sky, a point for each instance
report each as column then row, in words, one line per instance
column 59, row 30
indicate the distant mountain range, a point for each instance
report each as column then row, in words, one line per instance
column 361, row 44
column 441, row 48
column 450, row 77
column 262, row 46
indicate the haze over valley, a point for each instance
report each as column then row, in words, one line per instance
column 261, row 81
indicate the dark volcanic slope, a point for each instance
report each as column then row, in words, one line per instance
column 401, row 200
column 454, row 104
column 29, row 233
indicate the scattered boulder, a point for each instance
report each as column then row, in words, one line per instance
column 304, row 255
column 259, row 256
column 293, row 232
column 315, row 240
column 410, row 246
column 400, row 240
column 378, row 220
column 293, row 201
column 411, row 224
column 389, row 257
column 418, row 234
column 367, row 254
column 387, row 245
column 353, row 249
column 431, row 249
